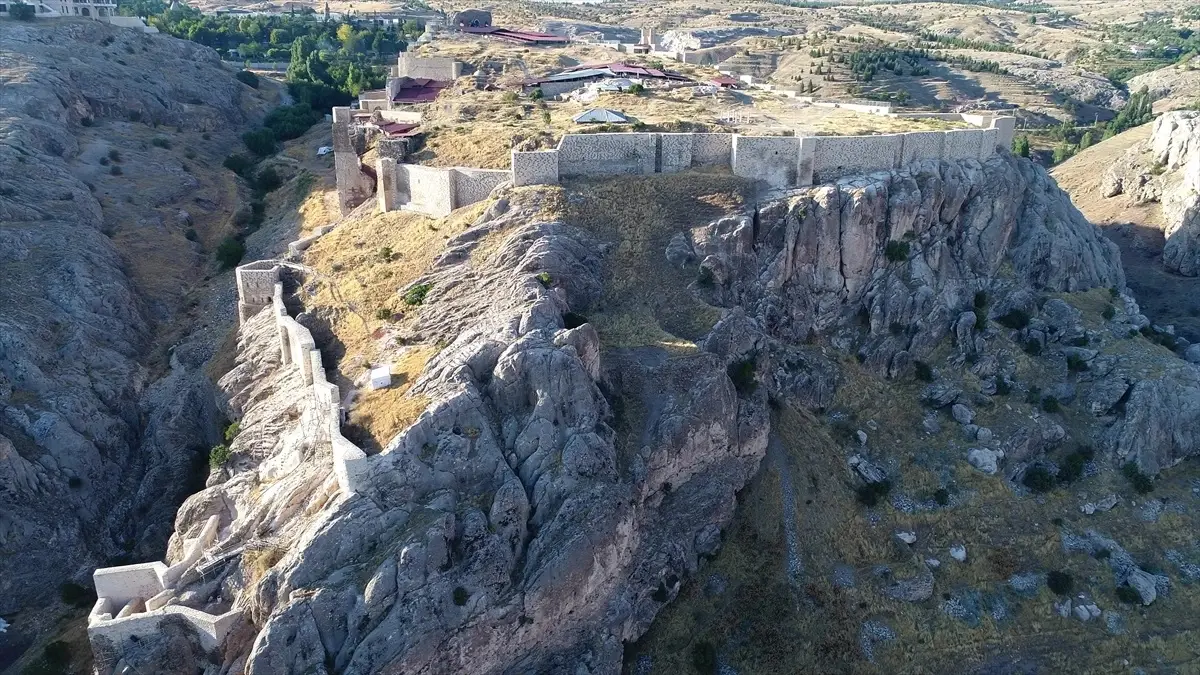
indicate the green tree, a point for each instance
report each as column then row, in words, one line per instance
column 1021, row 146
column 279, row 36
column 22, row 12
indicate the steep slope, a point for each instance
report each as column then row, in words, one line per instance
column 109, row 169
column 568, row 474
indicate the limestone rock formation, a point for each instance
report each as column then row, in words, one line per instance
column 1166, row 170
column 97, row 447
column 554, row 495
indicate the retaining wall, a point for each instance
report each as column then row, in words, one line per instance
column 773, row 159
column 606, row 154
column 439, row 68
column 837, row 156
column 432, row 191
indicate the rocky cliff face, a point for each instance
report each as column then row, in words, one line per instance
column 97, row 443
column 1166, row 170
column 554, row 494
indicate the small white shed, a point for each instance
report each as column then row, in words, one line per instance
column 381, row 377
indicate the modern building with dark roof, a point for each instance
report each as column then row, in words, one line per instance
column 585, row 73
column 518, row 36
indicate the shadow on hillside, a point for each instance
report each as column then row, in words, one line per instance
column 1165, row 297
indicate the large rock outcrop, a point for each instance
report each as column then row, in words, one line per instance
column 97, row 446
column 1166, row 169
column 554, row 495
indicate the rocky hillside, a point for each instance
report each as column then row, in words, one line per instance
column 1176, row 86
column 111, row 199
column 930, row 352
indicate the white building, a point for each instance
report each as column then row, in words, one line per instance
column 48, row 9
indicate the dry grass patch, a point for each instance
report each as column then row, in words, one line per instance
column 647, row 301
column 383, row 413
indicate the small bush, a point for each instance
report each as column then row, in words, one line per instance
column 544, row 279
column 160, row 142
column 1051, row 404
column 135, row 115
column 537, row 94
column 704, row 657
column 1060, row 583
column 260, row 141
column 191, row 234
column 238, row 163
column 230, row 252
column 1015, row 319
column 416, row 294
column 1081, row 341
column 510, row 97
column 1076, row 363
column 1072, row 466
column 743, row 377
column 981, row 318
column 76, row 595
column 74, row 482
column 1103, row 554
column 267, row 180
column 1108, row 313
column 636, row 89
column 705, row 279
column 87, row 122
column 1032, row 347
column 114, row 155
column 247, row 78
column 218, row 456
column 1141, row 483
column 383, row 313
column 461, row 596
column 115, row 170
column 104, row 161
column 1129, row 595
column 981, row 299
column 871, row 493
column 923, row 372
column 1003, row 386
column 232, row 430
column 57, row 653
column 896, row 251
column 385, row 254
column 942, row 497
column 1038, row 479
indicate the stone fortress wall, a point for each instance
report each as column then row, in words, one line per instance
column 779, row 161
column 440, row 68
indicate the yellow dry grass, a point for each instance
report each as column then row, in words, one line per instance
column 383, row 413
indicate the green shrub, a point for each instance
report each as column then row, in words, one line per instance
column 87, row 122
column 461, row 596
column 980, row 300
column 383, row 313
column 57, row 653
column 22, row 12
column 1072, row 466
column 1015, row 319
column 115, row 170
column 871, row 493
column 114, row 155
column 267, row 180
column 385, row 254
column 76, row 595
column 1060, row 582
column 1003, row 387
column 1051, row 404
column 1129, row 595
column 1032, row 347
column 537, row 94
column 231, row 431
column 981, row 318
column 896, row 251
column 704, row 278
column 743, row 376
column 260, row 141
column 230, row 252
column 74, row 482
column 291, row 121
column 1020, row 146
column 1114, row 292
column 704, row 657
column 923, row 372
column 218, row 456
column 238, row 163
column 1038, row 479
column 160, row 142
column 191, row 234
column 247, row 78
column 942, row 497
column 544, row 279
column 416, row 294
column 1076, row 363
column 104, row 161
column 637, row 89
column 1108, row 313
column 1141, row 483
